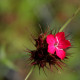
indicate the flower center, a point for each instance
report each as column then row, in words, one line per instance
column 56, row 44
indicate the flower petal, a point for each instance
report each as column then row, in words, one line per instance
column 50, row 39
column 60, row 36
column 51, row 49
column 64, row 44
column 60, row 53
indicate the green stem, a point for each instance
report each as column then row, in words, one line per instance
column 29, row 73
column 65, row 25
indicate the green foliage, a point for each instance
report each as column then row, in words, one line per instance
column 21, row 18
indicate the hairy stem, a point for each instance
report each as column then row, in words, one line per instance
column 65, row 25
column 29, row 73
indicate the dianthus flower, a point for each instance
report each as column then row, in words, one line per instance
column 50, row 49
column 58, row 43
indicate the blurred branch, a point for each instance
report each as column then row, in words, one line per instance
column 65, row 25
column 2, row 52
column 9, row 64
column 4, row 60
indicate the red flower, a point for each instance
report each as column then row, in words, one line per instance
column 58, row 43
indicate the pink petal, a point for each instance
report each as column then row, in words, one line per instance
column 60, row 53
column 51, row 49
column 50, row 39
column 64, row 44
column 60, row 36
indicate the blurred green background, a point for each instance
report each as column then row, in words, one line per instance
column 21, row 18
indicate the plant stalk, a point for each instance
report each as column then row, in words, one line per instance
column 29, row 73
column 65, row 25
